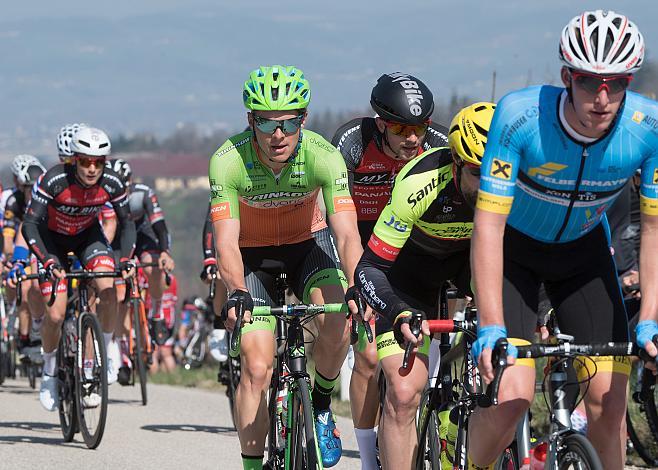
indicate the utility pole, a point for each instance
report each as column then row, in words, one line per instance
column 493, row 88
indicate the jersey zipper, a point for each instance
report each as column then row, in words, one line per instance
column 574, row 194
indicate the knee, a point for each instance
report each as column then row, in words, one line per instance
column 609, row 407
column 256, row 374
column 365, row 362
column 402, row 398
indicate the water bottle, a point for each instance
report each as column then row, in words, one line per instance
column 448, row 433
column 538, row 456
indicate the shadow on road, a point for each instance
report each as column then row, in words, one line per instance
column 35, row 426
column 125, row 402
column 189, row 428
column 17, row 389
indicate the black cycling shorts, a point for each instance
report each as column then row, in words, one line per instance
column 580, row 281
column 417, row 278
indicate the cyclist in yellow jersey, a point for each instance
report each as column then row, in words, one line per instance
column 264, row 188
column 421, row 240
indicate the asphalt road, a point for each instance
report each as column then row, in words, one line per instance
column 180, row 428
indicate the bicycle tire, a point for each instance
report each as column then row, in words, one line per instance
column 89, row 329
column 31, row 375
column 641, row 423
column 576, row 449
column 233, row 381
column 139, row 353
column 68, row 415
column 429, row 442
column 276, row 435
column 509, row 459
column 302, row 451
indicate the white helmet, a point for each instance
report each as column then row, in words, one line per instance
column 64, row 139
column 91, row 141
column 121, row 167
column 602, row 42
column 21, row 163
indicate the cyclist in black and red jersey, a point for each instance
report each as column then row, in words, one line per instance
column 375, row 150
column 63, row 217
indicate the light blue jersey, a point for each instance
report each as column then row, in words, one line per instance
column 557, row 189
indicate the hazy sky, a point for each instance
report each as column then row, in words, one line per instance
column 146, row 65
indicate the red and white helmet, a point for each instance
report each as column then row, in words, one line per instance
column 602, row 42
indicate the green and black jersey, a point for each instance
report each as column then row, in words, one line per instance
column 427, row 210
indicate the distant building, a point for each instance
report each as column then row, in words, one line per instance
column 169, row 172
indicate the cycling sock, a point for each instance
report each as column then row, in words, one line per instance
column 49, row 362
column 156, row 307
column 322, row 389
column 250, row 462
column 366, row 439
column 579, row 422
column 107, row 337
column 23, row 341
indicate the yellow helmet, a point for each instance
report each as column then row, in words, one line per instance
column 468, row 131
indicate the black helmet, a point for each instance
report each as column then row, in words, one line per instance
column 402, row 98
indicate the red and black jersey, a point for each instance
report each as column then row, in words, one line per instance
column 63, row 205
column 370, row 171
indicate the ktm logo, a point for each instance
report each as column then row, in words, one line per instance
column 638, row 116
column 546, row 169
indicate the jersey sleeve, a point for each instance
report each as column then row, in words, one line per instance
column 331, row 175
column 152, row 207
column 502, row 155
column 224, row 173
column 11, row 221
column 649, row 185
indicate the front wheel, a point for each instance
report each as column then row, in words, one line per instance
column 68, row 418
column 577, row 453
column 302, row 450
column 429, row 442
column 141, row 339
column 91, row 380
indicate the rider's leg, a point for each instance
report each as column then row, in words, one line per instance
column 404, row 388
column 156, row 280
column 491, row 429
column 251, row 418
column 364, row 398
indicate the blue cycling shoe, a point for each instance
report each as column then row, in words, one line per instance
column 328, row 438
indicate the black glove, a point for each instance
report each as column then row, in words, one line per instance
column 126, row 264
column 49, row 267
column 353, row 293
column 237, row 296
column 209, row 269
column 411, row 316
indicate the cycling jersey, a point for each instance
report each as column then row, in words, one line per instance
column 277, row 209
column 554, row 188
column 145, row 211
column 14, row 212
column 370, row 171
column 63, row 206
column 428, row 213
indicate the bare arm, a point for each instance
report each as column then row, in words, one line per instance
column 487, row 265
column 231, row 269
column 348, row 241
column 649, row 267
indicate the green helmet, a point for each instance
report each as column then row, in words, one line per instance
column 276, row 88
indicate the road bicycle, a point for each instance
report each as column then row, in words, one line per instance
column 81, row 360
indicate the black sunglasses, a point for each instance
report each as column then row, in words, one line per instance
column 269, row 126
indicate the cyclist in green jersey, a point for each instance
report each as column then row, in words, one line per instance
column 421, row 240
column 264, row 188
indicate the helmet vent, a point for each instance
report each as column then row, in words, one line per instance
column 609, row 40
column 481, row 130
column 465, row 148
column 627, row 38
column 455, row 128
column 590, row 19
column 581, row 47
column 275, row 94
column 617, row 22
column 102, row 146
column 86, row 144
column 480, row 108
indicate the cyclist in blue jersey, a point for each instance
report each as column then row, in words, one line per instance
column 556, row 159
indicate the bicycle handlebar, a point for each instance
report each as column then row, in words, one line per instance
column 299, row 310
column 155, row 264
column 565, row 349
